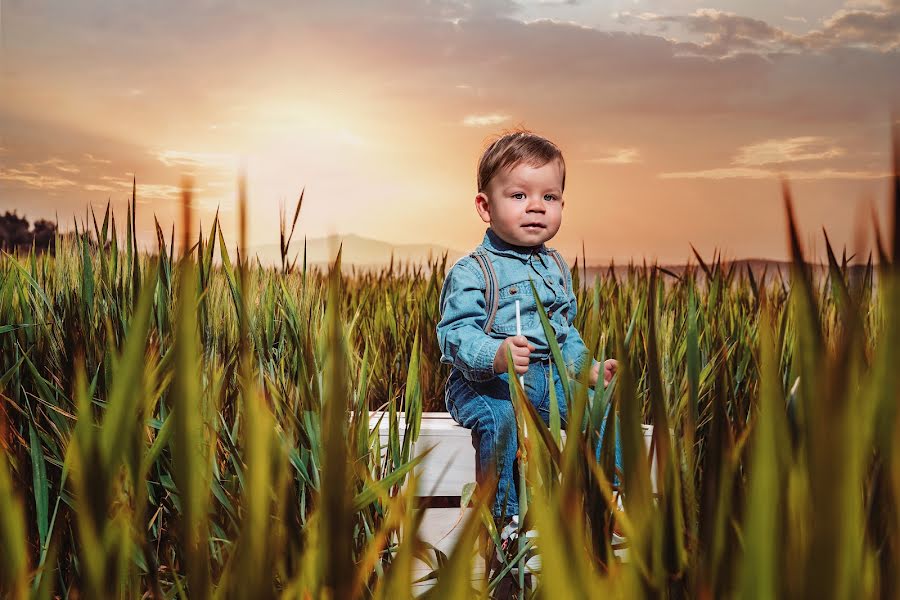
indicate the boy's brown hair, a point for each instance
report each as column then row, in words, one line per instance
column 517, row 147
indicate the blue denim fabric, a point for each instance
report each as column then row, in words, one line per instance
column 486, row 408
column 461, row 336
column 476, row 397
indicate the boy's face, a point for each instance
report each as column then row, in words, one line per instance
column 523, row 205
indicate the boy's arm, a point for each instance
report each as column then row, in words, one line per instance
column 460, row 332
column 574, row 350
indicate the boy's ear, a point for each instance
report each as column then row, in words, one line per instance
column 483, row 206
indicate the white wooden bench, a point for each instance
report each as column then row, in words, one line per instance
column 451, row 463
column 442, row 474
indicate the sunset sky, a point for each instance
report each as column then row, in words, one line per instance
column 675, row 117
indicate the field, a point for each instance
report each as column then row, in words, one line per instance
column 179, row 426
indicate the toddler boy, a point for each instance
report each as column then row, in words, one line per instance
column 521, row 178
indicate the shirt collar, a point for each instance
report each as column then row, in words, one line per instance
column 497, row 245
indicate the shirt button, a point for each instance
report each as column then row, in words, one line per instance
column 513, row 290
column 550, row 314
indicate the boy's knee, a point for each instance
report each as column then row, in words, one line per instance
column 505, row 415
column 502, row 423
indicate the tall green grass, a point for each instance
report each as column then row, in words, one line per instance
column 197, row 426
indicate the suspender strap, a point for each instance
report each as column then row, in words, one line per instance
column 491, row 289
column 565, row 275
column 563, row 270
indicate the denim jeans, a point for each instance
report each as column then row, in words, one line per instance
column 485, row 407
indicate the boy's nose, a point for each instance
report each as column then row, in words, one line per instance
column 535, row 206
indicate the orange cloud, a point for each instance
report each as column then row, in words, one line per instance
column 752, row 173
column 774, row 151
column 485, row 120
column 33, row 179
column 622, row 156
column 209, row 160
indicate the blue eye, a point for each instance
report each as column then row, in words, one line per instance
column 517, row 194
column 551, row 197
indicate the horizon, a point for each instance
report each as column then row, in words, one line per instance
column 436, row 251
column 675, row 121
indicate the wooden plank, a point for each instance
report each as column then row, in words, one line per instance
column 441, row 527
column 451, row 463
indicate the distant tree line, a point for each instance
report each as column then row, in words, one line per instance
column 16, row 233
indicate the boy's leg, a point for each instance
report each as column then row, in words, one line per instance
column 563, row 410
column 486, row 409
column 607, row 418
column 544, row 409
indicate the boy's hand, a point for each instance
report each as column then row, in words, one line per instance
column 609, row 369
column 520, row 349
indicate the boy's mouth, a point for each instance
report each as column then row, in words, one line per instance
column 534, row 226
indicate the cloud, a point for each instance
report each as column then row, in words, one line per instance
column 752, row 173
column 61, row 165
column 726, row 33
column 726, row 25
column 484, row 120
column 865, row 4
column 776, row 151
column 33, row 179
column 117, row 180
column 155, row 191
column 41, row 175
column 212, row 160
column 57, row 163
column 622, row 156
column 626, row 16
column 159, row 191
column 874, row 28
column 720, row 173
column 766, row 160
column 94, row 159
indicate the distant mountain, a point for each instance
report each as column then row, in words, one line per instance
column 356, row 250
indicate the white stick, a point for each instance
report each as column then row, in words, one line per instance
column 521, row 377
column 523, row 501
column 519, row 332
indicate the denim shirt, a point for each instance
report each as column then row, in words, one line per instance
column 461, row 336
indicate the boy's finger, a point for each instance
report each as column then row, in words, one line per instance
column 520, row 341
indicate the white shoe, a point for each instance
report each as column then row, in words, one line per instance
column 509, row 545
column 617, row 541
